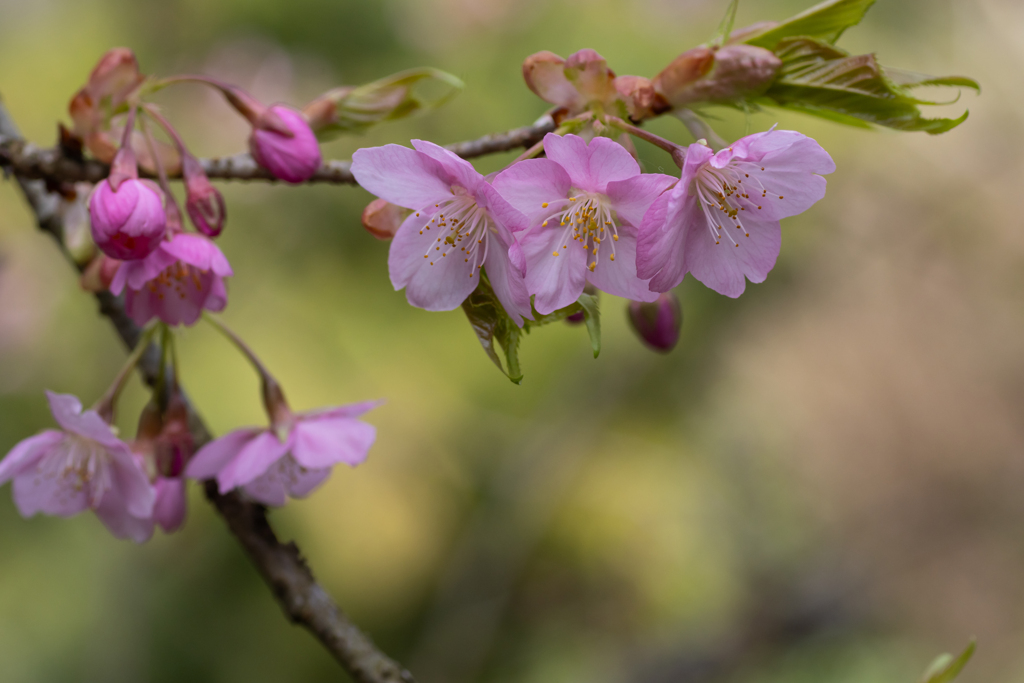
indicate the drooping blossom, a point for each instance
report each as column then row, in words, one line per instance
column 292, row 159
column 183, row 276
column 584, row 203
column 291, row 458
column 128, row 219
column 721, row 221
column 459, row 226
column 83, row 465
column 657, row 323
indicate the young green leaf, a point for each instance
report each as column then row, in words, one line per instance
column 826, row 22
column 820, row 79
column 945, row 668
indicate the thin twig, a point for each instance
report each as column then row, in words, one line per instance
column 26, row 160
column 282, row 566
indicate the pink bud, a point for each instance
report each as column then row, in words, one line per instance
column 170, row 505
column 717, row 75
column 293, row 159
column 657, row 323
column 204, row 203
column 128, row 223
column 577, row 318
column 382, row 219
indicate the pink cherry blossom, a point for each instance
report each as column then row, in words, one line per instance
column 292, row 460
column 292, row 159
column 83, row 465
column 170, row 504
column 129, row 222
column 721, row 221
column 176, row 282
column 459, row 226
column 584, row 203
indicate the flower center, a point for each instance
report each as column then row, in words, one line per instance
column 462, row 229
column 80, row 463
column 175, row 278
column 725, row 196
column 588, row 220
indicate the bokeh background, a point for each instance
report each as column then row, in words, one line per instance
column 822, row 483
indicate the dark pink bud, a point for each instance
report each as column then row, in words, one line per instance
column 577, row 318
column 127, row 223
column 657, row 323
column 292, row 159
column 204, row 203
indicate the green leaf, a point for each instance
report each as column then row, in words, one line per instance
column 356, row 109
column 823, row 80
column 945, row 668
column 592, row 316
column 728, row 21
column 826, row 22
column 495, row 329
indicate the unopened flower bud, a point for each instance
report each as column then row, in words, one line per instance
column 204, row 202
column 128, row 222
column 382, row 219
column 577, row 318
column 292, row 159
column 719, row 75
column 657, row 323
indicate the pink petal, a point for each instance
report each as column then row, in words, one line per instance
column 507, row 281
column 26, row 454
column 401, row 175
column 135, row 274
column 589, row 74
column 434, row 283
column 254, row 459
column 507, row 218
column 544, row 73
column 49, row 488
column 350, row 410
column 67, row 411
column 662, row 238
column 722, row 266
column 214, row 456
column 460, row 170
column 132, row 484
column 113, row 512
column 531, row 183
column 199, row 251
column 618, row 277
column 557, row 281
column 302, row 482
column 169, row 510
column 633, row 197
column 590, row 167
column 324, row 443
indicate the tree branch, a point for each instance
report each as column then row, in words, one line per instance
column 55, row 165
column 303, row 600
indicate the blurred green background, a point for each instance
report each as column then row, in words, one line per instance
column 822, row 483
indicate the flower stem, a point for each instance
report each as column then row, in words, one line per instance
column 173, row 211
column 656, row 140
column 105, row 406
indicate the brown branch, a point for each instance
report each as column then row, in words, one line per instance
column 53, row 164
column 301, row 598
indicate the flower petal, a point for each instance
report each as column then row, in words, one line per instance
column 590, row 167
column 632, row 197
column 350, row 410
column 26, row 454
column 557, row 281
column 132, row 483
column 722, row 266
column 324, row 443
column 544, row 73
column 662, row 238
column 401, row 175
column 618, row 277
column 434, row 283
column 171, row 503
column 113, row 511
column 460, row 170
column 531, row 183
column 67, row 411
column 50, row 488
column 507, row 281
column 252, row 460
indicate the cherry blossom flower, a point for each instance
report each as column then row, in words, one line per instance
column 459, row 226
column 128, row 221
column 83, row 465
column 176, row 282
column 721, row 221
column 584, row 203
column 292, row 159
column 291, row 458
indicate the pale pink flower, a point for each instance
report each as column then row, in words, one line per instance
column 584, row 203
column 721, row 221
column 290, row 460
column 129, row 222
column 459, row 225
column 81, row 466
column 176, row 282
column 292, row 159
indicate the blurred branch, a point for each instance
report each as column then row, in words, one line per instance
column 303, row 600
column 57, row 165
